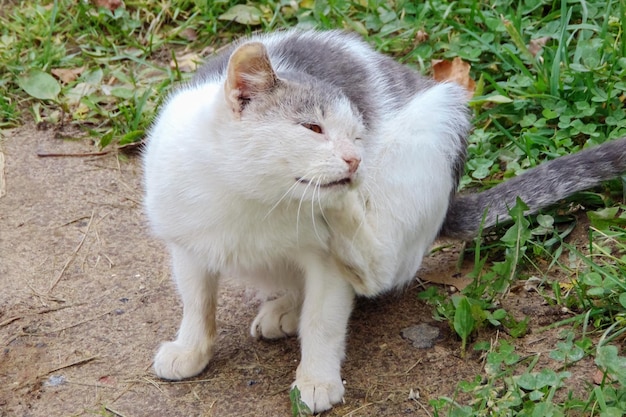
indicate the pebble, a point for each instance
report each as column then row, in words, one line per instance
column 55, row 381
column 422, row 336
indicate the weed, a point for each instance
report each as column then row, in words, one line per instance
column 298, row 407
column 476, row 307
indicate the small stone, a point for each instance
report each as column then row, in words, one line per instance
column 55, row 381
column 422, row 336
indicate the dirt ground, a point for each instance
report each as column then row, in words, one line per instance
column 86, row 299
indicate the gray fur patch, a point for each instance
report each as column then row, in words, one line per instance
column 539, row 187
column 374, row 82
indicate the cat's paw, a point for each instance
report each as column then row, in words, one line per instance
column 276, row 319
column 174, row 361
column 319, row 396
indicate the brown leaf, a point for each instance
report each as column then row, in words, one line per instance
column 457, row 71
column 536, row 45
column 109, row 4
column 599, row 377
column 67, row 75
column 107, row 380
column 421, row 36
column 187, row 62
column 188, row 34
column 450, row 280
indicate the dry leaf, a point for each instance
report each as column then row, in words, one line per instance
column 109, row 4
column 188, row 34
column 536, row 45
column 457, row 282
column 421, row 36
column 67, row 75
column 209, row 50
column 186, row 63
column 457, row 71
column 599, row 377
column 79, row 91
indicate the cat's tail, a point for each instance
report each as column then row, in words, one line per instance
column 538, row 187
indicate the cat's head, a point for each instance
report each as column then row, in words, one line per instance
column 300, row 136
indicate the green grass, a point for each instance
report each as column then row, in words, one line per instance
column 530, row 105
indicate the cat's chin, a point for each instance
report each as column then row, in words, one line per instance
column 332, row 184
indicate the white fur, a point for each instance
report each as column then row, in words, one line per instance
column 221, row 191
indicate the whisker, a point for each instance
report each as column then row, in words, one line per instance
column 319, row 203
column 299, row 207
column 306, row 175
column 318, row 189
column 294, row 185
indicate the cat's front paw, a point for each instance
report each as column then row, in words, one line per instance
column 276, row 319
column 174, row 361
column 319, row 396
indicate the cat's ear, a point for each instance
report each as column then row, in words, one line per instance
column 249, row 74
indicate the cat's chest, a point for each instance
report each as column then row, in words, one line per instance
column 248, row 236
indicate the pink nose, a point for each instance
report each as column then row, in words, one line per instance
column 353, row 163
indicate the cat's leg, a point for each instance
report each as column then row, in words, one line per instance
column 278, row 318
column 328, row 300
column 190, row 353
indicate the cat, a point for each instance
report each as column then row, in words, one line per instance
column 314, row 165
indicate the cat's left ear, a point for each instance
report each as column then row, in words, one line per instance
column 249, row 74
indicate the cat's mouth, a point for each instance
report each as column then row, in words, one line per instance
column 343, row 181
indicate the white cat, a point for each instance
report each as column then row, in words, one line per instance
column 312, row 164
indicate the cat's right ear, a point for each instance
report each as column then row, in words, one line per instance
column 249, row 74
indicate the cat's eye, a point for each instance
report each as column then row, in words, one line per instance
column 313, row 127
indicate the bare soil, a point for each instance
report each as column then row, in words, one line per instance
column 86, row 298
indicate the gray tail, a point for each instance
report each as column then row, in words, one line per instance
column 538, row 187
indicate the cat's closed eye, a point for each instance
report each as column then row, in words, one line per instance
column 313, row 127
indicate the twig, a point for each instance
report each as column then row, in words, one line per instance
column 357, row 409
column 21, row 334
column 152, row 382
column 40, row 296
column 9, row 320
column 53, row 309
column 73, row 221
column 130, row 385
column 79, row 154
column 423, row 408
column 79, row 323
column 69, row 365
column 110, row 410
column 71, row 258
column 10, row 340
column 413, row 366
column 91, row 385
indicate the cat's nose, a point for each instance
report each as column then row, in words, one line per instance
column 353, row 163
